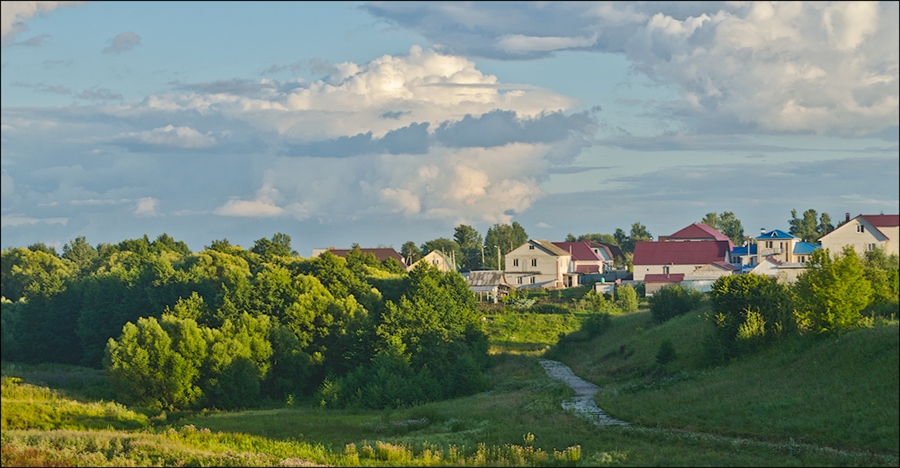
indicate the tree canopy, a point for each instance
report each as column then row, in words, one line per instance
column 811, row 226
column 726, row 223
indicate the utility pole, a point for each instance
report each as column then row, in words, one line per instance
column 482, row 256
column 498, row 258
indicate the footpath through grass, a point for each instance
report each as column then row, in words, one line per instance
column 839, row 392
column 767, row 410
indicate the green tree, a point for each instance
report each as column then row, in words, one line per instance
column 832, row 292
column 666, row 352
column 26, row 272
column 410, row 252
column 883, row 273
column 146, row 367
column 470, row 242
column 239, row 358
column 639, row 233
column 731, row 227
column 620, row 237
column 278, row 246
column 748, row 311
column 165, row 243
column 711, row 219
column 81, row 253
column 811, row 226
column 502, row 237
column 42, row 247
column 627, row 298
column 824, row 226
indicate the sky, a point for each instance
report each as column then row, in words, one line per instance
column 381, row 123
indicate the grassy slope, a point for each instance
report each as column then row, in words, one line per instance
column 529, row 333
column 681, row 423
column 840, row 391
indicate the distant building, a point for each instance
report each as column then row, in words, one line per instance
column 488, row 285
column 864, row 233
column 380, row 253
column 540, row 264
column 784, row 247
column 437, row 259
column 683, row 252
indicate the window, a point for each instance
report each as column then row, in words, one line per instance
column 531, row 280
column 530, row 247
column 802, row 259
column 666, row 270
column 769, row 244
column 515, row 262
column 871, row 247
column 860, row 228
column 534, row 262
column 519, row 280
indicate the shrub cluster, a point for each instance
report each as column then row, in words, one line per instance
column 672, row 301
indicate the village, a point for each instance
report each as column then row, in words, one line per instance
column 693, row 257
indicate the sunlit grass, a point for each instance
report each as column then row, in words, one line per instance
column 840, row 391
column 699, row 417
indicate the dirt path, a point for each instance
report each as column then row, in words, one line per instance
column 583, row 402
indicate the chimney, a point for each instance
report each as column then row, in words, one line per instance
column 762, row 231
column 846, row 217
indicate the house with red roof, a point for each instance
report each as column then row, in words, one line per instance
column 684, row 252
column 585, row 260
column 611, row 254
column 697, row 232
column 381, row 253
column 864, row 233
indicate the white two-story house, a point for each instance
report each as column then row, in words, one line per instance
column 540, row 264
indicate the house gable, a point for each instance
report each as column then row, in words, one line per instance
column 864, row 232
column 697, row 231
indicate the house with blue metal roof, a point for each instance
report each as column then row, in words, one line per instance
column 783, row 247
column 743, row 255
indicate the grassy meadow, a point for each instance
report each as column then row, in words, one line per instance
column 804, row 402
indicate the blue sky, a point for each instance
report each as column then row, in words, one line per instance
column 380, row 123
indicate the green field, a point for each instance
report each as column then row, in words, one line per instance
column 805, row 402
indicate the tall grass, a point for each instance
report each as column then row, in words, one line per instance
column 26, row 406
column 529, row 333
column 682, row 413
column 840, row 392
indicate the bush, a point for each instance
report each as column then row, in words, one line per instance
column 550, row 308
column 597, row 324
column 666, row 352
column 748, row 312
column 832, row 292
column 672, row 301
column 627, row 298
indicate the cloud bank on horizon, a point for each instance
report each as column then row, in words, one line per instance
column 425, row 134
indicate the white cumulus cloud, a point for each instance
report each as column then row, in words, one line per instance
column 147, row 207
column 14, row 14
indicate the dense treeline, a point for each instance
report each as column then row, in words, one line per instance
column 228, row 327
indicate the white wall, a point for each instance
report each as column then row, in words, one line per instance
column 848, row 234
